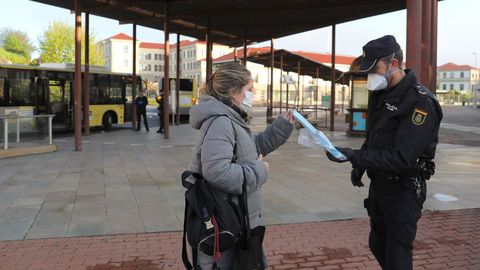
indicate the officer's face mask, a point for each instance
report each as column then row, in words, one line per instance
column 377, row 82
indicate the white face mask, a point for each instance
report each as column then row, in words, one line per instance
column 377, row 82
column 247, row 101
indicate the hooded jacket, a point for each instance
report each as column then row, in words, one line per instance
column 214, row 151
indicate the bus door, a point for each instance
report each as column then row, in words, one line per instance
column 128, row 97
column 61, row 97
column 41, row 96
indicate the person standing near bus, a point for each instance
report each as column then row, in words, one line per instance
column 159, row 100
column 141, row 103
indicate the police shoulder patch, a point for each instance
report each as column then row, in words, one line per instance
column 419, row 117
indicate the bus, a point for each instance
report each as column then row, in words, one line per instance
column 34, row 90
column 188, row 95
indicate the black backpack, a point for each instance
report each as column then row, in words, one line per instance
column 211, row 223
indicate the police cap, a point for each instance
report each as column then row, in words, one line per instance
column 376, row 49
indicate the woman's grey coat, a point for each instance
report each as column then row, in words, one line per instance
column 213, row 158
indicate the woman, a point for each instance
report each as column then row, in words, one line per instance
column 228, row 96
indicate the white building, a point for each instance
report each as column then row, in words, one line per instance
column 462, row 78
column 118, row 53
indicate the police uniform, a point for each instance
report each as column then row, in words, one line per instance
column 397, row 154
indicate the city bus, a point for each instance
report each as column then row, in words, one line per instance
column 188, row 95
column 34, row 90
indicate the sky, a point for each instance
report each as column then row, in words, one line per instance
column 458, row 29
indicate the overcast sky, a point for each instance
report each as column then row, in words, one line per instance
column 458, row 29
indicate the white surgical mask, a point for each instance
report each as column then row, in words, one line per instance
column 247, row 102
column 377, row 82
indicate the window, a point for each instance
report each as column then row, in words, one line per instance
column 3, row 100
column 149, row 67
column 444, row 86
column 160, row 68
column 462, row 74
column 21, row 88
column 125, row 63
column 149, row 56
column 451, row 86
column 452, row 74
column 156, row 56
column 155, row 67
column 160, row 57
column 125, row 48
column 109, row 89
column 444, row 75
column 461, row 85
column 144, row 67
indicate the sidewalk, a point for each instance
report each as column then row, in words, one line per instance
column 128, row 182
column 445, row 240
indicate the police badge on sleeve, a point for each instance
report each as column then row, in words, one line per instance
column 419, row 116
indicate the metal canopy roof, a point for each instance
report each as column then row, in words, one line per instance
column 231, row 19
column 290, row 63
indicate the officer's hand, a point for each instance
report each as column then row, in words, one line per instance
column 356, row 177
column 348, row 152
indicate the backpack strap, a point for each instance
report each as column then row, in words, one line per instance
column 186, row 175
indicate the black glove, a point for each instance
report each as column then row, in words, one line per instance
column 356, row 177
column 348, row 152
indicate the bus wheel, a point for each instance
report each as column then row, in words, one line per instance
column 107, row 121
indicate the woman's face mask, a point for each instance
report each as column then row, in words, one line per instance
column 247, row 102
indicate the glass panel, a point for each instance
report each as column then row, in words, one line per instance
column 22, row 88
column 3, row 100
column 360, row 94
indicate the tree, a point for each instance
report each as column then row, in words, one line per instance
column 57, row 45
column 16, row 42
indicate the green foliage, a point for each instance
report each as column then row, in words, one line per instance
column 57, row 45
column 12, row 57
column 16, row 42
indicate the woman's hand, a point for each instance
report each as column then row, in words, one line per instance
column 288, row 115
column 260, row 157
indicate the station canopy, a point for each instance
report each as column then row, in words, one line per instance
column 230, row 20
column 291, row 59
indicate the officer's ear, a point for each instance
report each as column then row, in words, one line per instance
column 394, row 63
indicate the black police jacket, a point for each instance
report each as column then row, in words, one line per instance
column 403, row 124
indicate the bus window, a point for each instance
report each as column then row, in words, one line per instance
column 116, row 95
column 186, row 85
column 21, row 84
column 3, row 98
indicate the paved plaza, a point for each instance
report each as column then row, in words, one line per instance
column 125, row 185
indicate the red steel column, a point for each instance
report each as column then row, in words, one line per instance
column 208, row 37
column 244, row 59
column 316, row 94
column 426, row 42
column 177, row 85
column 433, row 51
column 166, row 76
column 86, row 104
column 134, row 77
column 78, row 78
column 332, row 93
column 235, row 54
column 281, row 73
column 414, row 36
column 270, row 90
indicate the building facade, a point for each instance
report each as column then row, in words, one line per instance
column 463, row 78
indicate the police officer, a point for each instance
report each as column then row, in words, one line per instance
column 160, row 106
column 403, row 122
column 141, row 102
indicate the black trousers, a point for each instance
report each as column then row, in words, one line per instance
column 160, row 118
column 142, row 113
column 394, row 208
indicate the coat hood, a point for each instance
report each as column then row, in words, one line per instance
column 210, row 106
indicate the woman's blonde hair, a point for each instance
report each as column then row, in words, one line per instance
column 227, row 79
